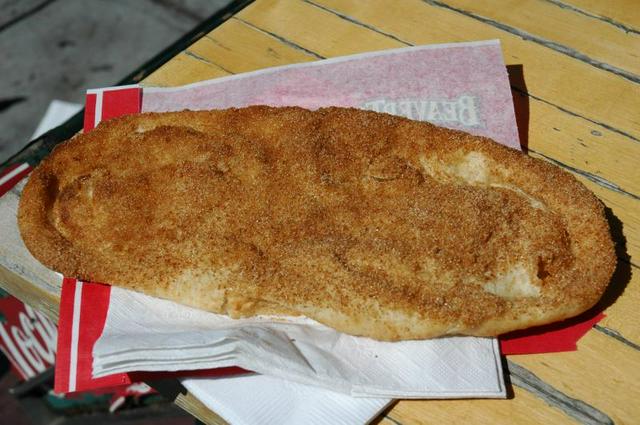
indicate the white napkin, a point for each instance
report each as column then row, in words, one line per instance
column 143, row 333
column 261, row 399
column 57, row 113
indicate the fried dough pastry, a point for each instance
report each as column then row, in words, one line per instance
column 369, row 223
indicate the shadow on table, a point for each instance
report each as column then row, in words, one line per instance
column 382, row 415
column 622, row 273
column 520, row 103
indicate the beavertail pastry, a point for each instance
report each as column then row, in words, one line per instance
column 372, row 224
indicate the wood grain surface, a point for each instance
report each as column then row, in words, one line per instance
column 574, row 67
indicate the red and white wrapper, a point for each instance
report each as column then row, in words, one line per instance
column 83, row 312
column 110, row 102
column 12, row 175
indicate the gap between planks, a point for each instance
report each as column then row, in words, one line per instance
column 558, row 47
column 575, row 114
column 280, row 38
column 589, row 176
column 616, row 335
column 205, row 60
column 577, row 409
column 604, row 19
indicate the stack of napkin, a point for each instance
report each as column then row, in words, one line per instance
column 144, row 333
column 307, row 370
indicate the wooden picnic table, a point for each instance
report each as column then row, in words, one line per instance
column 575, row 73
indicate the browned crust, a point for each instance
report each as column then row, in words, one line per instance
column 577, row 281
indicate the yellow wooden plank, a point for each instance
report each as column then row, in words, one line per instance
column 597, row 39
column 626, row 12
column 525, row 408
column 581, row 144
column 622, row 315
column 240, row 48
column 603, row 373
column 183, row 69
column 198, row 409
column 583, row 89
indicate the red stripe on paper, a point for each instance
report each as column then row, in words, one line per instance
column 7, row 185
column 95, row 306
column 89, row 111
column 65, row 320
column 119, row 102
column 9, row 169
